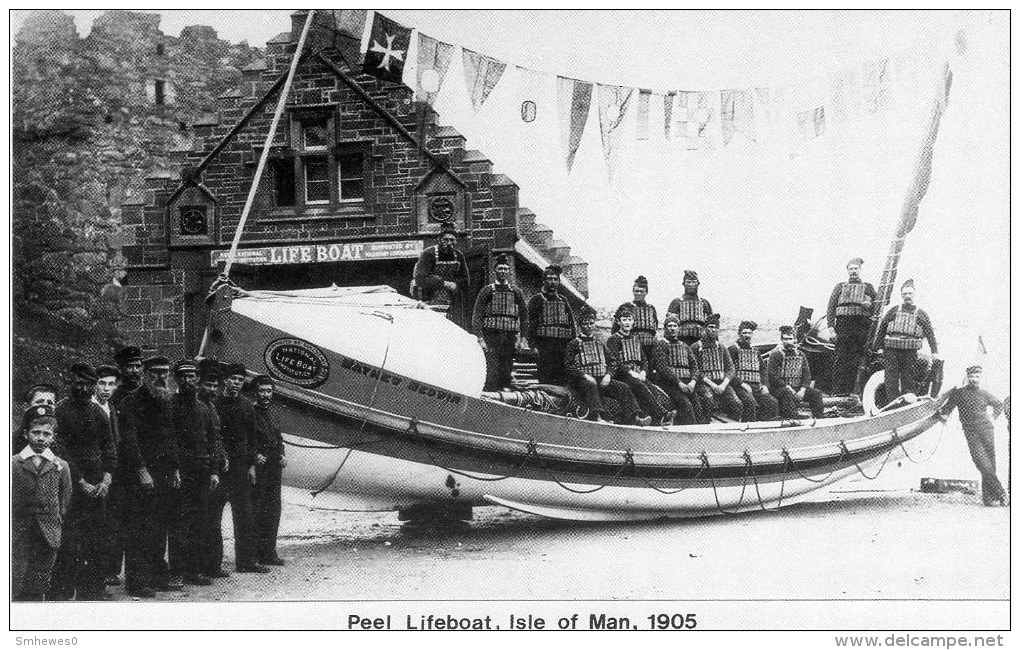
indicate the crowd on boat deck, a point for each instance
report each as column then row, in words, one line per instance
column 130, row 472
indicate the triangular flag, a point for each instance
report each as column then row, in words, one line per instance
column 877, row 86
column 433, row 61
column 573, row 99
column 737, row 114
column 387, row 49
column 644, row 96
column 811, row 123
column 667, row 111
column 697, row 118
column 529, row 92
column 844, row 96
column 613, row 104
column 350, row 21
column 481, row 74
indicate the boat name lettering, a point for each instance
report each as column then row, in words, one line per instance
column 371, row 372
column 297, row 361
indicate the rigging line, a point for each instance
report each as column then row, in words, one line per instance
column 906, row 453
column 412, row 430
column 789, row 459
column 325, row 486
column 715, row 490
column 266, row 146
column 782, row 487
column 857, row 465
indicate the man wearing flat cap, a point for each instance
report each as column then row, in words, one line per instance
column 129, row 362
column 147, row 415
column 85, row 441
column 789, row 377
column 500, row 319
column 900, row 334
column 714, row 389
column 691, row 309
column 239, row 429
column 270, row 460
column 675, row 370
column 441, row 274
column 209, row 375
column 550, row 327
column 849, row 315
column 749, row 381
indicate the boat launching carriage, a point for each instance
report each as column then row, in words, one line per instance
column 381, row 402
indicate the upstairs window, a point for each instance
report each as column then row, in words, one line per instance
column 160, row 92
column 351, row 172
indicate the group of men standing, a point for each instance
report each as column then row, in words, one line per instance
column 152, row 465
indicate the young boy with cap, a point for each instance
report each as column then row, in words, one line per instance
column 40, row 496
column 973, row 402
column 550, row 327
column 38, row 395
column 500, row 319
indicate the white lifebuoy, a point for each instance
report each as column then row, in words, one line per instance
column 868, row 395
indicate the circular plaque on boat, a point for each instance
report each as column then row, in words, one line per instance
column 297, row 361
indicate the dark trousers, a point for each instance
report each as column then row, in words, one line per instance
column 899, row 372
column 644, row 397
column 851, row 342
column 550, row 360
column 981, row 441
column 164, row 558
column 592, row 393
column 116, row 506
column 236, row 490
column 188, row 539
column 32, row 560
column 757, row 405
column 684, row 403
column 727, row 402
column 789, row 403
column 499, row 358
column 268, row 506
column 139, row 512
column 79, row 567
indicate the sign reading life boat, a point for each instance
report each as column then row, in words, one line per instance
column 297, row 361
column 318, row 253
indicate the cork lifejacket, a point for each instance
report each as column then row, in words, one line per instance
column 591, row 360
column 678, row 358
column 449, row 271
column 713, row 365
column 646, row 323
column 904, row 332
column 748, row 365
column 630, row 353
column 792, row 369
column 851, row 299
column 555, row 321
column 692, row 317
column 501, row 312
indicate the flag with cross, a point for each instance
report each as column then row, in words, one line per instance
column 387, row 49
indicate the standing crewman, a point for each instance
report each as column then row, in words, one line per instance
column 901, row 334
column 129, row 363
column 550, row 327
column 789, row 377
column 107, row 381
column 270, row 460
column 587, row 370
column 675, row 370
column 208, row 391
column 441, row 274
column 973, row 402
column 749, row 381
column 714, row 390
column 849, row 315
column 198, row 444
column 692, row 310
column 646, row 319
column 239, row 429
column 627, row 363
column 500, row 319
column 83, row 440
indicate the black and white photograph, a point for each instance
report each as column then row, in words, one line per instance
column 349, row 320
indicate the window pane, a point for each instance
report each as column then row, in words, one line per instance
column 316, row 180
column 315, row 132
column 352, row 175
column 351, row 166
column 283, row 181
column 352, row 190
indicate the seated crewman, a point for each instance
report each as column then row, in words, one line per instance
column 675, row 370
column 789, row 377
column 627, row 362
column 717, row 374
column 587, row 370
column 749, row 381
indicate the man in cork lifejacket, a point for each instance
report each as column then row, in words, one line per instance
column 714, row 390
column 441, row 274
column 691, row 309
column 646, row 319
column 749, row 380
column 675, row 370
column 849, row 316
column 500, row 318
column 550, row 327
column 628, row 363
column 789, row 377
column 900, row 334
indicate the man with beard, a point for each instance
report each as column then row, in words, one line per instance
column 692, row 310
column 849, row 315
column 269, row 463
column 129, row 364
column 551, row 327
column 749, row 380
column 676, row 372
column 714, row 390
column 238, row 430
column 208, row 392
column 789, row 377
column 901, row 333
column 441, row 274
column 85, row 442
column 627, row 363
column 646, row 319
column 500, row 320
column 197, row 440
column 587, row 370
column 147, row 414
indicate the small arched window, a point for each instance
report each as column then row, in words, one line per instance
column 528, row 111
column 160, row 50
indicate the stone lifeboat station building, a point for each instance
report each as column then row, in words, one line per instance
column 359, row 179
